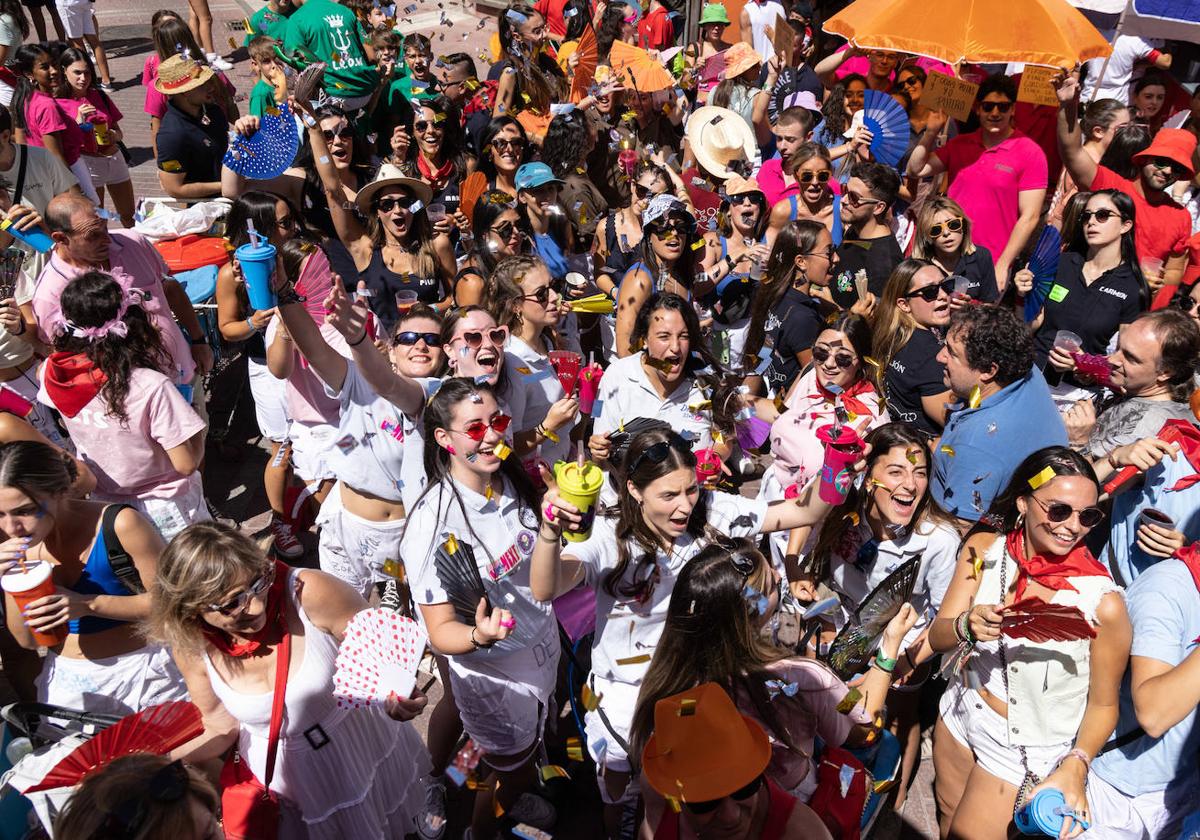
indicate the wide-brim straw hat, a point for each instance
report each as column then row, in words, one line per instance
column 719, row 137
column 390, row 175
column 179, row 75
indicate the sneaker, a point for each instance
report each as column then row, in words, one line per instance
column 219, row 515
column 533, row 810
column 432, row 824
column 286, row 544
column 107, row 87
column 391, row 600
column 217, row 63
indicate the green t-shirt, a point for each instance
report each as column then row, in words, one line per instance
column 331, row 33
column 267, row 22
column 262, row 97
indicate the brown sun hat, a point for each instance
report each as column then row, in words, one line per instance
column 179, row 75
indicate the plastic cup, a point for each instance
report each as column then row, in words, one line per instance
column 258, row 264
column 581, row 487
column 843, row 447
column 1068, row 342
column 1041, row 814
column 435, row 212
column 962, row 285
column 405, row 300
column 575, row 280
column 1152, row 266
column 27, row 586
column 589, row 385
column 100, row 125
column 1154, row 516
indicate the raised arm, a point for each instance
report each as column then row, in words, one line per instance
column 328, row 363
column 923, row 163
column 1070, row 137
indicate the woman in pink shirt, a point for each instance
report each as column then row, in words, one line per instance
column 39, row 119
column 129, row 421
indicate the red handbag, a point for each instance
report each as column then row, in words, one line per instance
column 249, row 810
column 839, row 806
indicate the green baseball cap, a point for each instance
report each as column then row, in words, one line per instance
column 714, row 13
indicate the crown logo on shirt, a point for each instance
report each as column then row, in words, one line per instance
column 334, row 21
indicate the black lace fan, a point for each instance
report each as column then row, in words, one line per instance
column 851, row 651
column 454, row 562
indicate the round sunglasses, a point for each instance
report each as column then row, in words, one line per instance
column 1089, row 517
column 821, row 355
column 1102, row 215
column 476, row 430
column 953, row 225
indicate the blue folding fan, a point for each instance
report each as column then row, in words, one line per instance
column 889, row 126
column 267, row 152
column 1044, row 265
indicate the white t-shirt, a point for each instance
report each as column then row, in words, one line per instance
column 533, row 374
column 627, row 631
column 10, row 32
column 626, row 394
column 131, row 461
column 763, row 15
column 369, row 448
column 502, row 532
column 1118, row 76
column 45, row 177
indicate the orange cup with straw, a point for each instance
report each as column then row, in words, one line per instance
column 27, row 583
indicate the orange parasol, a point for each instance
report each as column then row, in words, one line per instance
column 585, row 68
column 1051, row 33
column 636, row 69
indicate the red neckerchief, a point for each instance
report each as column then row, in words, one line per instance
column 855, row 406
column 265, row 639
column 72, row 380
column 436, row 178
column 1189, row 555
column 1051, row 572
column 1188, row 438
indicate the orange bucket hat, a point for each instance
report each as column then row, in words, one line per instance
column 1174, row 144
column 702, row 747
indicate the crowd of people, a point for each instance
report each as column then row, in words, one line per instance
column 728, row 418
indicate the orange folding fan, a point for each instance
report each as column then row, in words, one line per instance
column 636, row 69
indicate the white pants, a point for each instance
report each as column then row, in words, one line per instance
column 117, row 685
column 1160, row 813
column 355, row 549
column 270, row 401
column 76, row 17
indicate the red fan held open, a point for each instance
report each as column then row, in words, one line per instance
column 1038, row 621
column 566, row 366
column 157, row 729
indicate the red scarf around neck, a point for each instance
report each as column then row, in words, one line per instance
column 72, row 380
column 849, row 396
column 437, row 178
column 262, row 642
column 1051, row 572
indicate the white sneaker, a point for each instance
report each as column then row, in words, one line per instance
column 533, row 810
column 432, row 824
column 217, row 63
column 286, row 544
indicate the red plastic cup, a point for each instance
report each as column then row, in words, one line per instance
column 843, row 447
column 27, row 586
column 589, row 385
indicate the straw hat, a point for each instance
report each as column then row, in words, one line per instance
column 718, row 137
column 739, row 58
column 179, row 75
column 702, row 747
column 1175, row 144
column 390, row 175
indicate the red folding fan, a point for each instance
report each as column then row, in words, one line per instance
column 1039, row 621
column 566, row 366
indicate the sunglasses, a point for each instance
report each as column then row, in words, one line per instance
column 739, row 795
column 257, row 588
column 542, row 295
column 424, row 125
column 501, row 144
column 504, row 230
column 408, row 338
column 751, row 197
column 641, row 190
column 821, row 355
column 856, row 200
column 989, row 107
column 931, row 292
column 821, row 176
column 953, row 226
column 908, row 81
column 387, row 205
column 344, row 131
column 1166, row 163
column 474, row 338
column 477, row 429
column 1186, row 303
column 679, row 228
column 1089, row 517
column 658, row 452
column 1102, row 215
column 827, row 253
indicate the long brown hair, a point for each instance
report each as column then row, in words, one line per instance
column 797, row 237
column 893, row 326
column 419, row 236
column 503, row 295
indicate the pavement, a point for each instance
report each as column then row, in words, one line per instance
column 235, row 455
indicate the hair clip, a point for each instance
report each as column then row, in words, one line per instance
column 516, row 17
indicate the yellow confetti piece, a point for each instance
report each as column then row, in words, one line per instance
column 700, row 405
column 634, row 660
column 698, row 244
column 437, row 118
column 232, row 44
column 947, row 449
column 451, row 545
column 872, row 362
column 853, row 517
column 629, row 115
column 502, row 450
column 524, row 371
column 272, row 112
column 488, row 493
column 687, row 707
column 525, row 97
column 591, row 700
column 974, row 398
column 912, row 454
column 718, row 437
column 553, row 771
column 1041, row 478
column 976, row 563
column 475, row 784
column 574, row 749
column 674, row 803
column 393, row 568
column 849, row 701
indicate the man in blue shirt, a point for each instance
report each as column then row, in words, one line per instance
column 1146, row 780
column 1005, row 411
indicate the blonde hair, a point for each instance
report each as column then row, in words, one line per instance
column 893, row 326
column 202, row 563
column 107, row 794
column 923, row 247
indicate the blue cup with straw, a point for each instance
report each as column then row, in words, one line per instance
column 257, row 259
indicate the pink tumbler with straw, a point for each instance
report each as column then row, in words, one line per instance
column 589, row 385
column 843, row 447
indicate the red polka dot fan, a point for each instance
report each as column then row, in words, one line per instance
column 378, row 656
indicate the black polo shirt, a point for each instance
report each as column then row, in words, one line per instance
column 980, row 270
column 186, row 145
column 914, row 372
column 878, row 257
column 793, row 326
column 1093, row 312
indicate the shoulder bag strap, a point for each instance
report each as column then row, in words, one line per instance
column 281, row 675
column 22, row 160
column 118, row 558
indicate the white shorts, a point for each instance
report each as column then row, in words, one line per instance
column 106, row 170
column 1160, row 813
column 976, row 726
column 270, row 401
column 355, row 549
column 309, row 447
column 117, row 685
column 80, row 171
column 618, row 700
column 76, row 17
column 171, row 515
column 501, row 718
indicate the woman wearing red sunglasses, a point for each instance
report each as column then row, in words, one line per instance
column 1020, row 715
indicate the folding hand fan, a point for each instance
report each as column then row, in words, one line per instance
column 851, row 650
column 157, row 729
column 454, row 562
column 566, row 364
column 269, row 151
column 1044, row 265
column 1034, row 619
column 599, row 304
column 474, row 186
column 636, row 69
column 378, row 656
column 889, row 126
column 585, row 67
column 712, row 71
column 307, row 87
column 752, row 433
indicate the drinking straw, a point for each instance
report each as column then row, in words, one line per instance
column 252, row 231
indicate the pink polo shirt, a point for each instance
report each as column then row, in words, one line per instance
column 987, row 182
column 135, row 264
column 770, row 181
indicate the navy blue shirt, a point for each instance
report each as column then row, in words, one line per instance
column 187, row 145
column 1093, row 311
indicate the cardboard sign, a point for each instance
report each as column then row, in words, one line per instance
column 954, row 97
column 1035, row 86
column 782, row 40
